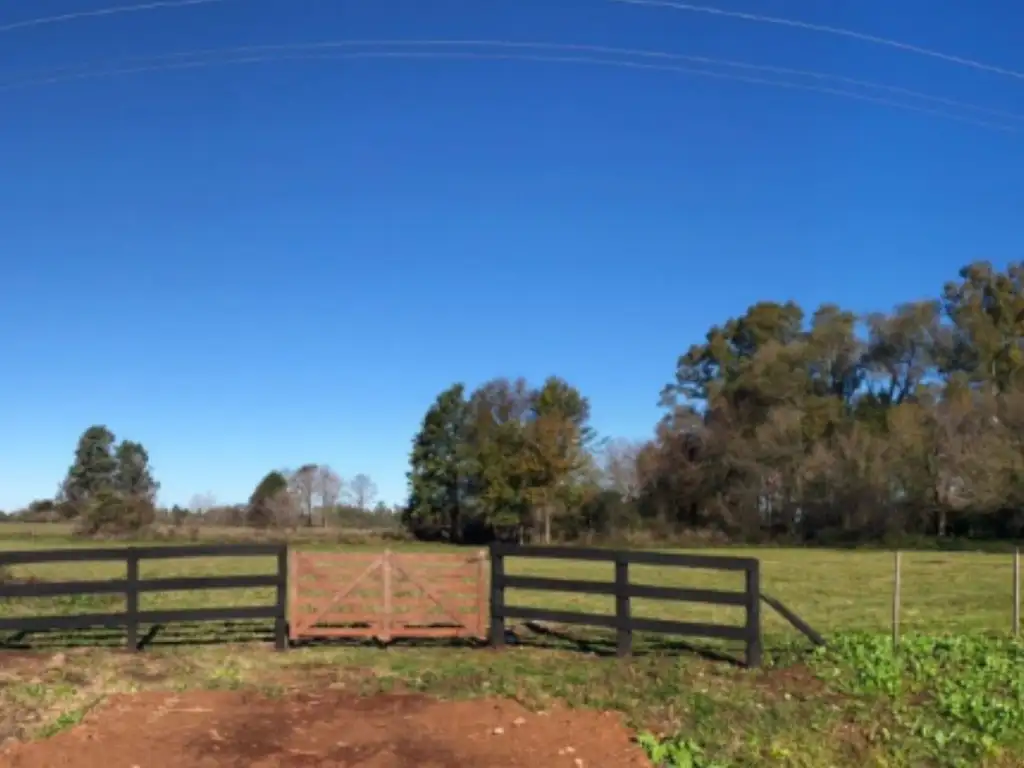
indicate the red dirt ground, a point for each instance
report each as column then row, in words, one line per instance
column 239, row 730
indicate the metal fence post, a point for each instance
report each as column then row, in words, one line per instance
column 896, row 588
column 1016, row 592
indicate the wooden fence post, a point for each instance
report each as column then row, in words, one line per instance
column 497, row 632
column 753, row 590
column 896, row 587
column 281, row 615
column 131, row 599
column 624, row 630
column 1016, row 592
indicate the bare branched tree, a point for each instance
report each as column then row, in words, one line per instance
column 327, row 487
column 303, row 484
column 619, row 467
column 363, row 491
column 201, row 503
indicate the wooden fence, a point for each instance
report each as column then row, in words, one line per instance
column 623, row 622
column 622, row 589
column 132, row 586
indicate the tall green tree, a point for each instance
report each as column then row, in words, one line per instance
column 133, row 476
column 558, row 436
column 264, row 509
column 986, row 310
column 439, row 471
column 93, row 471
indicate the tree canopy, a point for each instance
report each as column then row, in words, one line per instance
column 823, row 425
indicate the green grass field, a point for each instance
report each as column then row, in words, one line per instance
column 953, row 695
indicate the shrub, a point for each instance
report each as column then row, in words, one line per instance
column 111, row 514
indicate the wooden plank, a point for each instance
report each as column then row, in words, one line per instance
column 190, row 583
column 433, row 632
column 338, row 619
column 58, row 588
column 434, row 559
column 712, row 562
column 207, row 550
column 425, row 620
column 343, row 632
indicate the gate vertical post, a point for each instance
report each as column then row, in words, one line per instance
column 386, row 624
column 294, row 571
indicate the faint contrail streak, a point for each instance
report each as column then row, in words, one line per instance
column 588, row 60
column 756, row 17
column 515, row 45
column 111, row 11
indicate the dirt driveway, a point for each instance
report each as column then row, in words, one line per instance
column 229, row 729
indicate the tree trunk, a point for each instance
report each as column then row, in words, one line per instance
column 547, row 524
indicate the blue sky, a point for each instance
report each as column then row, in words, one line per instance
column 250, row 267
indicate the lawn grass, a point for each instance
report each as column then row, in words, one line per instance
column 953, row 695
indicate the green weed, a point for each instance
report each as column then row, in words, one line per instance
column 675, row 753
column 955, row 701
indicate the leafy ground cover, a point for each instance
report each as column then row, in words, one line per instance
column 951, row 695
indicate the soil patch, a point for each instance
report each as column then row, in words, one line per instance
column 230, row 729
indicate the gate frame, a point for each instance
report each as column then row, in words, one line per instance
column 383, row 628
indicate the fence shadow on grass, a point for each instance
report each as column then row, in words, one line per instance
column 542, row 636
column 156, row 636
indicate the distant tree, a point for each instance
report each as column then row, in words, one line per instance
column 109, row 512
column 93, row 471
column 557, row 440
column 178, row 515
column 438, row 468
column 269, row 500
column 303, row 484
column 201, row 503
column 619, row 467
column 133, row 476
column 328, row 487
column 364, row 492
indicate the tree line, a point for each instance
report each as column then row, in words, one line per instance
column 823, row 426
column 110, row 488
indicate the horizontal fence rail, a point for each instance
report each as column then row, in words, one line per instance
column 623, row 591
column 132, row 586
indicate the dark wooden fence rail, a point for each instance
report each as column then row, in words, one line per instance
column 622, row 621
column 132, row 586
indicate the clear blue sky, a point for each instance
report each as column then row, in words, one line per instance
column 249, row 267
